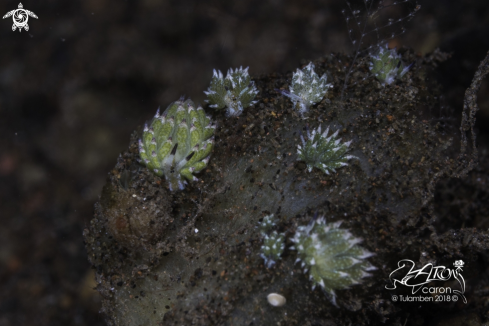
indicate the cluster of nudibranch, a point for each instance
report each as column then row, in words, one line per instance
column 330, row 255
column 386, row 65
column 178, row 143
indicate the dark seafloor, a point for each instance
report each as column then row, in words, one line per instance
column 87, row 74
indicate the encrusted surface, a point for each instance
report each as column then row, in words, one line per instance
column 204, row 266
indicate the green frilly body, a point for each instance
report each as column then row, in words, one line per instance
column 177, row 143
column 331, row 256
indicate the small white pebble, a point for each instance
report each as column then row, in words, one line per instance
column 196, row 230
column 276, row 300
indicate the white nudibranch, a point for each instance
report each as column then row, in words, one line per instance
column 323, row 152
column 235, row 92
column 307, row 88
column 386, row 65
column 273, row 242
column 273, row 247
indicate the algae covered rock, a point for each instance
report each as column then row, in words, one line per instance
column 200, row 264
column 134, row 220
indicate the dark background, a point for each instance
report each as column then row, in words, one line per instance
column 87, row 73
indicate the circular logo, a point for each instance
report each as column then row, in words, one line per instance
column 20, row 18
